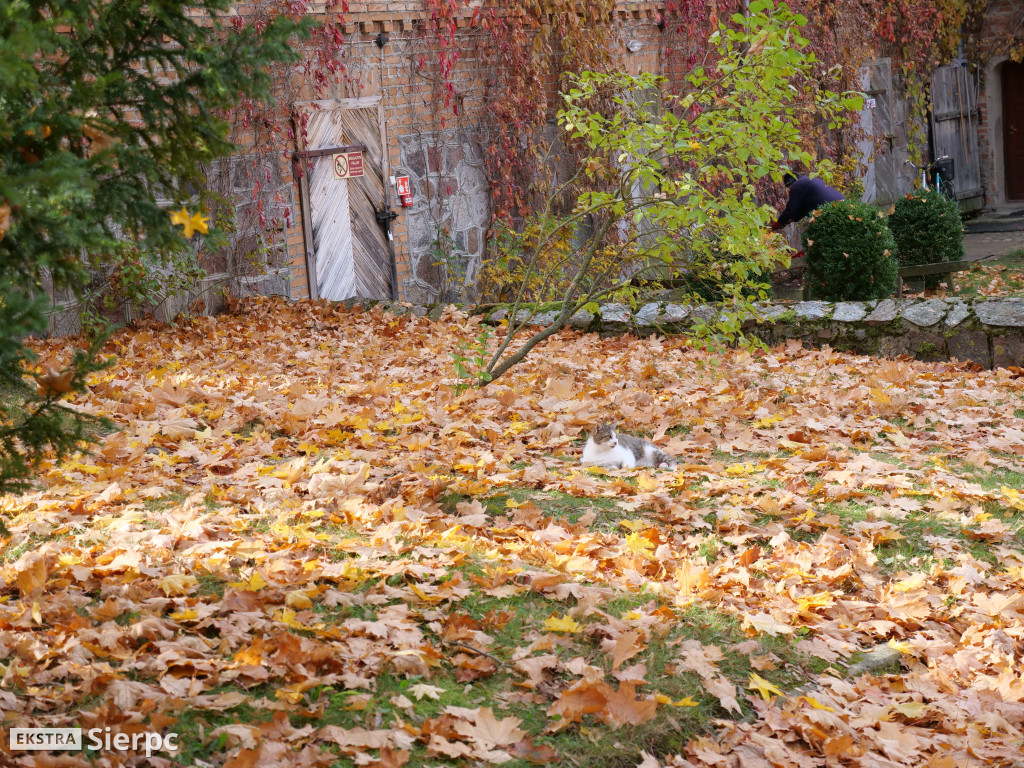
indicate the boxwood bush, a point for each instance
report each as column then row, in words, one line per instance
column 850, row 253
column 927, row 229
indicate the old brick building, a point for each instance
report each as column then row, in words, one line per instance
column 388, row 103
column 395, row 110
column 1001, row 102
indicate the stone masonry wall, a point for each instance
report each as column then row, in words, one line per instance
column 989, row 332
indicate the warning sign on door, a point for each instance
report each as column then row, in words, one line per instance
column 348, row 165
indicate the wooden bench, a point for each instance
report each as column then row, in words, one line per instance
column 946, row 268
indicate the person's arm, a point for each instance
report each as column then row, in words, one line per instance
column 791, row 212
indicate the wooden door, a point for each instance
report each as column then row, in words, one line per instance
column 955, row 127
column 350, row 252
column 1013, row 128
column 886, row 167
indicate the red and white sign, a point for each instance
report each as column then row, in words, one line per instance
column 348, row 165
column 404, row 190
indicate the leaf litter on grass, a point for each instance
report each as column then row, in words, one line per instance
column 303, row 547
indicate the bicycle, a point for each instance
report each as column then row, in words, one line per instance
column 942, row 174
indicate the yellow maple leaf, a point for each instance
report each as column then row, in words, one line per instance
column 903, row 647
column 764, row 687
column 564, row 624
column 767, row 421
column 427, row 598
column 180, row 218
column 646, row 483
column 288, row 694
column 880, row 396
column 254, row 583
column 287, row 616
column 298, row 599
column 1013, row 496
column 816, row 704
column 177, row 585
column 744, row 469
column 639, row 544
column 189, row 614
column 792, row 445
column 661, row 698
column 818, row 600
column 911, row 709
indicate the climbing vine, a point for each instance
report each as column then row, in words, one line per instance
column 440, row 28
column 531, row 53
column 252, row 191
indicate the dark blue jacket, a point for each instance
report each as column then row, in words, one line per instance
column 806, row 194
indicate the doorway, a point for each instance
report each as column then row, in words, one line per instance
column 348, row 251
column 1012, row 82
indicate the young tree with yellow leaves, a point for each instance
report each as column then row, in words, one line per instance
column 673, row 181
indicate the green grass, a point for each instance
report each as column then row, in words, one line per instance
column 554, row 504
column 970, row 283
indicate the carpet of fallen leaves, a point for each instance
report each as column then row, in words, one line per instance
column 297, row 502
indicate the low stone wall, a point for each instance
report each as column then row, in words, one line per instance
column 989, row 332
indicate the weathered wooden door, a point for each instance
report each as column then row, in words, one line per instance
column 1012, row 77
column 350, row 253
column 885, row 142
column 955, row 127
column 886, row 170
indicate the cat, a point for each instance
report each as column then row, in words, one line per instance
column 607, row 447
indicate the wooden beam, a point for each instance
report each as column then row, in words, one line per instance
column 329, row 151
column 307, row 215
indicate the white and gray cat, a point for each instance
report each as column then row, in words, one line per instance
column 607, row 447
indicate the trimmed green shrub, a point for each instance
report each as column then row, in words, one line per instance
column 927, row 229
column 850, row 253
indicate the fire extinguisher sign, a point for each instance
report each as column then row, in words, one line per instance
column 404, row 191
column 348, row 165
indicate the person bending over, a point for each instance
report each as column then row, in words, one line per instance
column 805, row 194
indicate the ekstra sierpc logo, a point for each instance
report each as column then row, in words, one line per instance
column 70, row 740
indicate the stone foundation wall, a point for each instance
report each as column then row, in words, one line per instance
column 989, row 332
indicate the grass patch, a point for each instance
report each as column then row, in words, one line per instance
column 1003, row 276
column 554, row 504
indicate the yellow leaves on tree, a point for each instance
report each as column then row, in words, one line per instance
column 190, row 222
